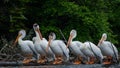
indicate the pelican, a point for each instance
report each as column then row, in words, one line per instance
column 59, row 49
column 75, row 47
column 92, row 52
column 27, row 47
column 108, row 49
column 41, row 45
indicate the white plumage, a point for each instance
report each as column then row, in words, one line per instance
column 58, row 47
column 91, row 50
column 108, row 48
column 75, row 46
column 41, row 45
column 27, row 46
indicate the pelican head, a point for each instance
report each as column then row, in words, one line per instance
column 52, row 36
column 21, row 34
column 36, row 26
column 103, row 38
column 36, row 29
column 73, row 34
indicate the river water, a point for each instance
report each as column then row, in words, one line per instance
column 67, row 66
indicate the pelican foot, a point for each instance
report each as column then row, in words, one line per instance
column 87, row 62
column 59, row 58
column 57, row 62
column 26, row 61
column 90, row 62
column 108, row 60
column 107, row 63
column 41, row 61
column 34, row 60
column 77, row 62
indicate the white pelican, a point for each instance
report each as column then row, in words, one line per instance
column 27, row 47
column 75, row 47
column 108, row 49
column 41, row 45
column 92, row 52
column 59, row 49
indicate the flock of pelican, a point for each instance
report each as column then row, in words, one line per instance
column 57, row 52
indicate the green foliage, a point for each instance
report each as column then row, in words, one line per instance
column 90, row 18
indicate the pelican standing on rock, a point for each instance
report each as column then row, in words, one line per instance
column 27, row 47
column 59, row 49
column 75, row 47
column 108, row 49
column 92, row 52
column 41, row 45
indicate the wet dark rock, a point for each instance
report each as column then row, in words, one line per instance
column 64, row 65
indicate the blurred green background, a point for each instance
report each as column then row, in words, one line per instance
column 90, row 18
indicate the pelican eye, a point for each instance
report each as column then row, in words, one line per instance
column 35, row 25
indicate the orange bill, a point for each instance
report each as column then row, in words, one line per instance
column 101, row 40
column 69, row 40
column 48, row 45
column 39, row 34
column 17, row 39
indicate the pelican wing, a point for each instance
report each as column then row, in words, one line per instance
column 94, row 49
column 113, row 48
column 63, row 47
column 79, row 44
column 31, row 46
